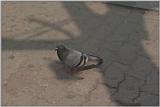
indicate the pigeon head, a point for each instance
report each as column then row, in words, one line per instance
column 60, row 47
column 62, row 51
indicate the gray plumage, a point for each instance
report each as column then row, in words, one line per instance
column 71, row 57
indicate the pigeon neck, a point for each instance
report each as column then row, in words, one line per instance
column 62, row 54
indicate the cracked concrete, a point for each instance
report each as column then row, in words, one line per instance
column 114, row 74
column 126, row 39
column 128, row 88
column 147, row 99
column 151, row 85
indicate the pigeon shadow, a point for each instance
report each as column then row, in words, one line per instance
column 62, row 73
column 65, row 73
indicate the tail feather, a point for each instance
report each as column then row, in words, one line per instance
column 98, row 60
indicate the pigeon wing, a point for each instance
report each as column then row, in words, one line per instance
column 73, row 58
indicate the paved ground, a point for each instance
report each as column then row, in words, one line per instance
column 126, row 38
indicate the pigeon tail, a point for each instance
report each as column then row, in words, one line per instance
column 98, row 60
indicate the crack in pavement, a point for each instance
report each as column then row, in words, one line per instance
column 139, row 88
column 87, row 98
column 124, row 78
column 109, row 86
column 150, row 93
column 120, row 82
column 138, row 95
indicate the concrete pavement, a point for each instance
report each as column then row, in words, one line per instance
column 127, row 40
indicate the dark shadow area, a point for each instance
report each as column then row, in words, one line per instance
column 55, row 26
column 61, row 71
column 64, row 73
column 116, row 37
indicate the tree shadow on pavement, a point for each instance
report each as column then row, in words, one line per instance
column 116, row 36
